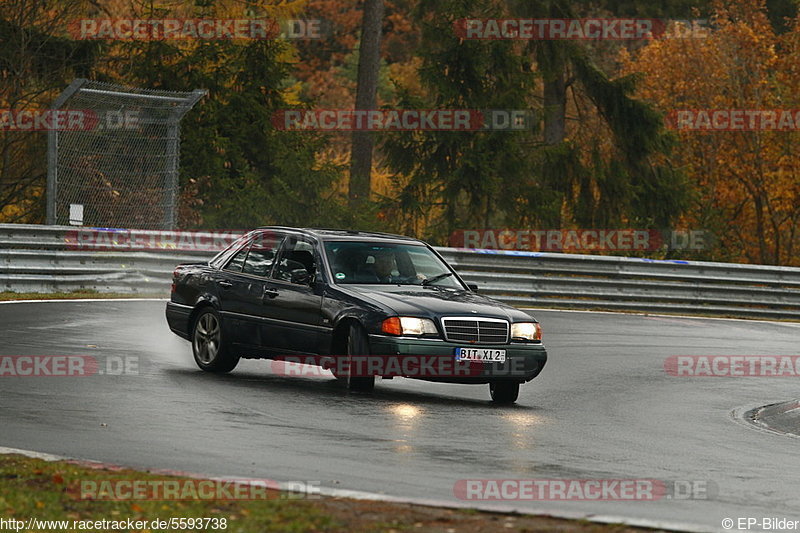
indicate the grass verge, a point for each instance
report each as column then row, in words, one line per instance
column 33, row 488
column 72, row 295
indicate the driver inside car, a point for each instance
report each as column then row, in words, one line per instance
column 384, row 266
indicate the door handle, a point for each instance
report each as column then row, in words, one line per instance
column 225, row 284
column 270, row 293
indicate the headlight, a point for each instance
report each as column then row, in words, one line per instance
column 406, row 325
column 526, row 331
column 417, row 326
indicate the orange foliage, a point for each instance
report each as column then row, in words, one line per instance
column 747, row 182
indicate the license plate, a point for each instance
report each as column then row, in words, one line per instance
column 486, row 355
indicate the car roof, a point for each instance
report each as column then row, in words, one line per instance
column 330, row 234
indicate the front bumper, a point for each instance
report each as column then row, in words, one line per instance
column 523, row 361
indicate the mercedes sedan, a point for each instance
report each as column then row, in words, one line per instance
column 361, row 304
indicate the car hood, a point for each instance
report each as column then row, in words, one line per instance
column 414, row 300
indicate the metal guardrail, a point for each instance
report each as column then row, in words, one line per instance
column 51, row 259
column 47, row 258
column 532, row 279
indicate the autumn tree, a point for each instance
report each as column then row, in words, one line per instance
column 460, row 177
column 240, row 170
column 594, row 160
column 37, row 61
column 746, row 181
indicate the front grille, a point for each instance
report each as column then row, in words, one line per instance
column 475, row 330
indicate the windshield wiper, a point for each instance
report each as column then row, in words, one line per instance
column 434, row 279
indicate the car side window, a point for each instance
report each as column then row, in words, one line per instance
column 223, row 257
column 235, row 264
column 297, row 263
column 262, row 255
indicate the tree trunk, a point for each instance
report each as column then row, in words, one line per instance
column 555, row 107
column 760, row 230
column 366, row 95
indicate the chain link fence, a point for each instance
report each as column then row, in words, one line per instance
column 116, row 164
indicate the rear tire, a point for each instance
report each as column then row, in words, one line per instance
column 504, row 392
column 358, row 344
column 211, row 352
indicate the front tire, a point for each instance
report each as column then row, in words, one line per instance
column 504, row 392
column 358, row 345
column 211, row 352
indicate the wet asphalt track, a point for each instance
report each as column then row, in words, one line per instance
column 602, row 408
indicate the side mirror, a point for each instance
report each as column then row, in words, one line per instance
column 473, row 287
column 300, row 276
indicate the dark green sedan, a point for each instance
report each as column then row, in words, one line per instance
column 360, row 304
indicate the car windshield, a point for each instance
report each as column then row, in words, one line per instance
column 379, row 263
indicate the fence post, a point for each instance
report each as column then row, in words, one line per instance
column 52, row 151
